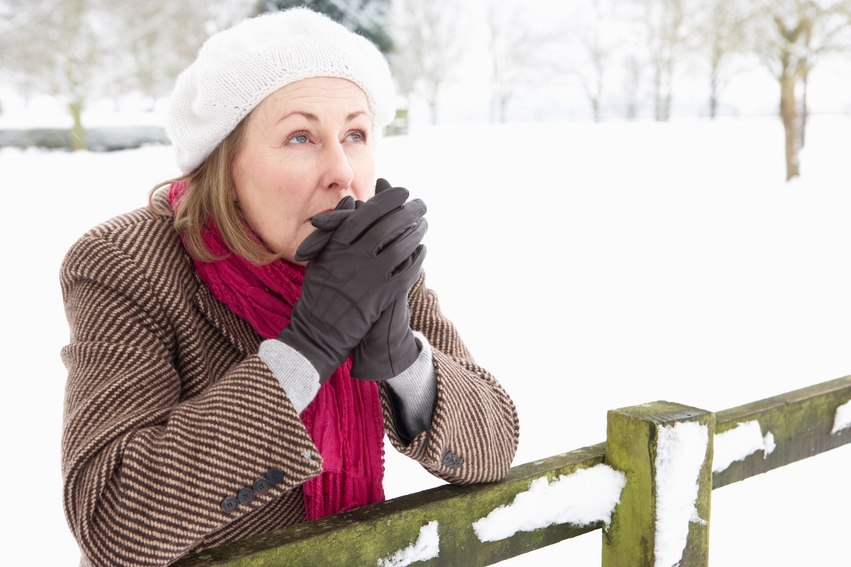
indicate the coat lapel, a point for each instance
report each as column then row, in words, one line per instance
column 237, row 330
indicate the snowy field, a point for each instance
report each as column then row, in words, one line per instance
column 589, row 267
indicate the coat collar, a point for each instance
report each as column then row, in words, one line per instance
column 237, row 330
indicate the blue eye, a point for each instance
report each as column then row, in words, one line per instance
column 297, row 139
column 356, row 137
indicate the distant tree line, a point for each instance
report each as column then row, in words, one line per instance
column 368, row 18
column 81, row 51
column 629, row 50
column 619, row 53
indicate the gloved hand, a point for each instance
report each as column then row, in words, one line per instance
column 372, row 257
column 325, row 224
column 389, row 347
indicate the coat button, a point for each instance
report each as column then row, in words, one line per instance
column 245, row 496
column 275, row 476
column 261, row 486
column 229, row 505
column 451, row 460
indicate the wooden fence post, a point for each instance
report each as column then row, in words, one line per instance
column 665, row 450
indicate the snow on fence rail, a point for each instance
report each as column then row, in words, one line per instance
column 648, row 487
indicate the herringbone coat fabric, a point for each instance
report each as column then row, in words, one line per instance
column 169, row 410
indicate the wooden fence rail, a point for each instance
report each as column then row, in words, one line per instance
column 654, row 447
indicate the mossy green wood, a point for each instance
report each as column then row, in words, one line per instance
column 800, row 422
column 371, row 533
column 631, row 447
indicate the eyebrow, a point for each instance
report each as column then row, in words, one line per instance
column 354, row 115
column 313, row 118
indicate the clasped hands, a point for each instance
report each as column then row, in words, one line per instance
column 362, row 261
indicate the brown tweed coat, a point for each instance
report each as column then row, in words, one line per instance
column 168, row 409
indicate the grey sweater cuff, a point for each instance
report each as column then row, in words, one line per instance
column 297, row 376
column 416, row 388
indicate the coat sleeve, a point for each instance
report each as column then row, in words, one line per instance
column 475, row 429
column 146, row 464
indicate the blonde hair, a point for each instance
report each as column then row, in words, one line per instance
column 209, row 194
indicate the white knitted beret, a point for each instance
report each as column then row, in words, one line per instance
column 239, row 67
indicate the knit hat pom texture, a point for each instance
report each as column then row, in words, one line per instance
column 239, row 67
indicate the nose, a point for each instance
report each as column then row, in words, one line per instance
column 336, row 171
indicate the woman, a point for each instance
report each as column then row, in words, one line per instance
column 240, row 347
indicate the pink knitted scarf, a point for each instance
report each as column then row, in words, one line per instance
column 344, row 420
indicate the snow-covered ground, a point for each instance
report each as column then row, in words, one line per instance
column 589, row 267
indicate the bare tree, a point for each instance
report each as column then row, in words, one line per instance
column 514, row 51
column 721, row 31
column 15, row 16
column 406, row 72
column 431, row 37
column 7, row 18
column 586, row 49
column 667, row 34
column 595, row 52
column 84, row 50
column 160, row 38
column 64, row 48
column 632, row 84
column 791, row 37
column 364, row 17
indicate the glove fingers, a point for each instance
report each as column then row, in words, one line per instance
column 326, row 223
column 346, row 203
column 381, row 185
column 392, row 226
column 407, row 272
column 395, row 247
column 311, row 246
column 369, row 213
column 331, row 220
column 399, row 243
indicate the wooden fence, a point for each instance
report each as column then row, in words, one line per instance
column 641, row 445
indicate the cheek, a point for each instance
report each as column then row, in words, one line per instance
column 267, row 200
column 269, row 183
column 252, row 176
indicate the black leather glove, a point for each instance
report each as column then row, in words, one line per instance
column 325, row 224
column 372, row 257
column 389, row 348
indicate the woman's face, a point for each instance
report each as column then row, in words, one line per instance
column 305, row 147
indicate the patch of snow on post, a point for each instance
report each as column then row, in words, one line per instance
column 426, row 547
column 581, row 498
column 739, row 443
column 842, row 420
column 680, row 453
column 769, row 443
